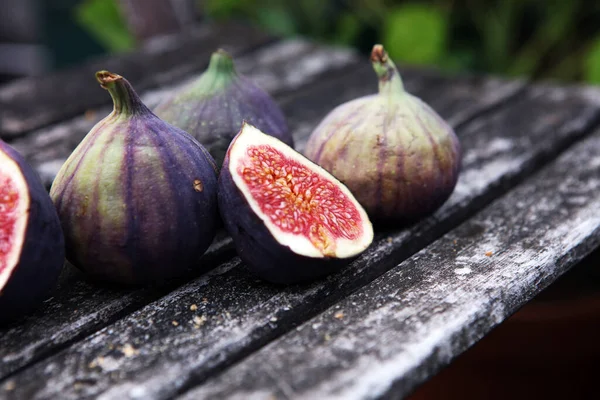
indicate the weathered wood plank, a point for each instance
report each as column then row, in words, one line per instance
column 279, row 68
column 385, row 339
column 35, row 102
column 227, row 314
column 79, row 307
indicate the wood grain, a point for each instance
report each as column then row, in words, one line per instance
column 396, row 332
column 280, row 68
column 35, row 102
column 235, row 314
column 79, row 307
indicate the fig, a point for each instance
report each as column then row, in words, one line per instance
column 213, row 107
column 32, row 250
column 394, row 152
column 137, row 198
column 290, row 220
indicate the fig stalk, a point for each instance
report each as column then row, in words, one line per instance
column 395, row 153
column 390, row 81
column 125, row 101
column 213, row 107
column 137, row 199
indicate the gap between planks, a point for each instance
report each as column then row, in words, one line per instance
column 270, row 67
column 317, row 113
column 566, row 121
column 396, row 332
column 94, row 307
column 32, row 103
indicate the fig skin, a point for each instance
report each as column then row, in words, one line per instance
column 42, row 254
column 396, row 154
column 137, row 198
column 257, row 246
column 213, row 107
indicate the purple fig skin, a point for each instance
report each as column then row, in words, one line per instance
column 137, row 198
column 213, row 108
column 262, row 253
column 394, row 152
column 42, row 253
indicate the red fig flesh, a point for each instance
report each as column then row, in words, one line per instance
column 11, row 206
column 287, row 216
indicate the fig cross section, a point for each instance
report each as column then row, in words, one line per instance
column 302, row 207
column 298, row 200
column 12, row 209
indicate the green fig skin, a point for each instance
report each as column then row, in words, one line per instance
column 395, row 153
column 213, row 108
column 137, row 198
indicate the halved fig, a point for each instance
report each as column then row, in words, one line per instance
column 290, row 220
column 32, row 248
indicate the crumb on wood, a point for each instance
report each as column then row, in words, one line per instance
column 488, row 253
column 10, row 385
column 96, row 362
column 193, row 307
column 339, row 315
column 199, row 321
column 128, row 350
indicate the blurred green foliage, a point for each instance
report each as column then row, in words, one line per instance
column 540, row 39
column 103, row 20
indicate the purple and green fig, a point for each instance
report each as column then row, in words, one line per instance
column 213, row 107
column 32, row 250
column 290, row 220
column 395, row 153
column 137, row 199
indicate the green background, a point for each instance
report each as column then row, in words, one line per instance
column 539, row 39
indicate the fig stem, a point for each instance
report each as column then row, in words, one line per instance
column 389, row 79
column 222, row 62
column 218, row 76
column 125, row 100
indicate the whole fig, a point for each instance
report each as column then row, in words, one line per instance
column 32, row 249
column 213, row 107
column 137, row 198
column 395, row 153
column 290, row 220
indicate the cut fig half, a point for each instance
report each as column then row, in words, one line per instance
column 291, row 221
column 31, row 240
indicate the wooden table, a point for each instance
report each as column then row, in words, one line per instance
column 526, row 209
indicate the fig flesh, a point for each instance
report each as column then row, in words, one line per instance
column 137, row 197
column 32, row 251
column 213, row 107
column 393, row 151
column 290, row 220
